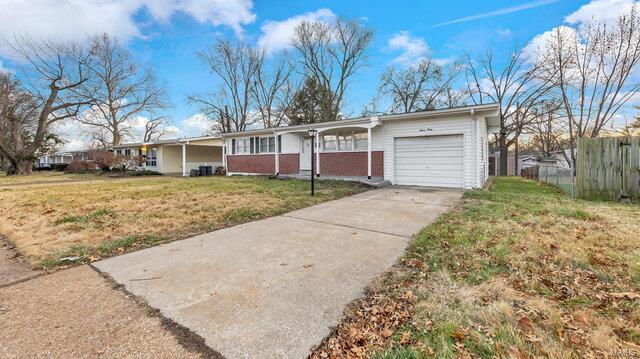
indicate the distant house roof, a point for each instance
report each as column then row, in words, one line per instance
column 167, row 141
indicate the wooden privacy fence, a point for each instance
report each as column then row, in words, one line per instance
column 608, row 168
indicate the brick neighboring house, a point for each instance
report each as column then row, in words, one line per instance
column 440, row 148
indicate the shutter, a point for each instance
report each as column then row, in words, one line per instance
column 251, row 145
column 279, row 143
column 233, row 146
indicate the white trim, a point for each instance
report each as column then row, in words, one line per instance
column 368, row 151
column 184, row 160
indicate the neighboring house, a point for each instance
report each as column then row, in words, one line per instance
column 176, row 156
column 440, row 148
column 45, row 161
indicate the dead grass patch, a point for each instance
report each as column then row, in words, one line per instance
column 519, row 271
column 90, row 220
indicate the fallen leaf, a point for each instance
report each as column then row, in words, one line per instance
column 459, row 335
column 525, row 322
column 626, row 295
column 406, row 336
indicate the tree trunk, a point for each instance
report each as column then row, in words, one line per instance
column 503, row 153
column 515, row 157
column 20, row 166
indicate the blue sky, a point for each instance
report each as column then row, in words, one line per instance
column 166, row 34
column 171, row 50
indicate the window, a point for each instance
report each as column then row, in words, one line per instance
column 329, row 142
column 241, row 146
column 152, row 157
column 345, row 141
column 127, row 152
column 267, row 145
column 118, row 152
column 361, row 142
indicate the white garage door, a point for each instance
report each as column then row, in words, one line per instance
column 429, row 161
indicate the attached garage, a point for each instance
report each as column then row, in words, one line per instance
column 436, row 161
column 435, row 148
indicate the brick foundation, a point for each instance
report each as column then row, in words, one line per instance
column 289, row 163
column 351, row 163
column 263, row 164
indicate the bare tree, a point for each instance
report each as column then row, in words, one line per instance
column 236, row 66
column 54, row 72
column 273, row 91
column 518, row 87
column 332, row 53
column 592, row 67
column 419, row 87
column 155, row 129
column 547, row 130
column 122, row 90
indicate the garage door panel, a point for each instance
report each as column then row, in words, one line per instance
column 429, row 161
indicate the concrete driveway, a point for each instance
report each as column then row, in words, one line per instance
column 274, row 288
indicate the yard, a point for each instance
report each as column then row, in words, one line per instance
column 41, row 177
column 67, row 223
column 518, row 271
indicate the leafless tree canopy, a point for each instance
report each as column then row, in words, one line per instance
column 121, row 90
column 424, row 86
column 332, row 53
column 55, row 72
column 236, row 67
column 591, row 66
column 273, row 91
column 518, row 86
column 547, row 127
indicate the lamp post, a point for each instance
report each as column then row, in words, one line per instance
column 312, row 134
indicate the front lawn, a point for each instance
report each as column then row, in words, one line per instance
column 41, row 177
column 58, row 224
column 519, row 271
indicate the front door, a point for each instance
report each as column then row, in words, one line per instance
column 305, row 154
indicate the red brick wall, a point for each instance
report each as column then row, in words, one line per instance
column 265, row 164
column 289, row 163
column 351, row 163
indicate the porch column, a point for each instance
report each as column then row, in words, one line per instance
column 275, row 138
column 369, row 152
column 184, row 160
column 224, row 155
column 317, row 144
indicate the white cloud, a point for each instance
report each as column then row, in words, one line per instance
column 599, row 10
column 276, row 35
column 194, row 126
column 504, row 32
column 74, row 19
column 412, row 49
column 536, row 47
column 502, row 11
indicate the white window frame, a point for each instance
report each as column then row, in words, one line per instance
column 350, row 140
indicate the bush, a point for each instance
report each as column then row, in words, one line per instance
column 220, row 171
column 59, row 166
column 144, row 173
column 79, row 167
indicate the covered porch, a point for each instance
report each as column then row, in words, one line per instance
column 185, row 155
column 339, row 152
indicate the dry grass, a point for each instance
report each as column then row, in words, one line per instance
column 40, row 177
column 519, row 271
column 90, row 220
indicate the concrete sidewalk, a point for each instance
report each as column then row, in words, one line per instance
column 275, row 287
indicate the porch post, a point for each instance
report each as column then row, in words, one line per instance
column 369, row 152
column 184, row 160
column 275, row 138
column 313, row 143
column 224, row 155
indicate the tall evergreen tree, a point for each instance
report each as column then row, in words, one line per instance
column 311, row 104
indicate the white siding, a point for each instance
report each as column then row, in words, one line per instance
column 290, row 143
column 482, row 152
column 435, row 161
column 450, row 125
